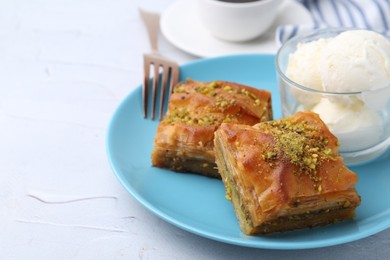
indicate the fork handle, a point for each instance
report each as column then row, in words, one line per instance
column 152, row 22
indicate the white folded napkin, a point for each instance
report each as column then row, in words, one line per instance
column 368, row 14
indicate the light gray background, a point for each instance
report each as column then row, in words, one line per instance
column 65, row 65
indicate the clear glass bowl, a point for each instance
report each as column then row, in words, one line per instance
column 360, row 120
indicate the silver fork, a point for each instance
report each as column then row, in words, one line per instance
column 169, row 68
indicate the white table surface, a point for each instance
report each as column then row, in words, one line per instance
column 65, row 65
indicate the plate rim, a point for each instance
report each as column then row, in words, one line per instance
column 207, row 234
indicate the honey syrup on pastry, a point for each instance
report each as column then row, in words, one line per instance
column 223, row 96
column 300, row 144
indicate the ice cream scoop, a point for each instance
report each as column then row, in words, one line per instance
column 304, row 64
column 350, row 123
column 354, row 61
column 344, row 76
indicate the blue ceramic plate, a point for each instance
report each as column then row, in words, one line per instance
column 197, row 204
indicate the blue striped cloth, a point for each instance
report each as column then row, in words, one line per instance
column 368, row 14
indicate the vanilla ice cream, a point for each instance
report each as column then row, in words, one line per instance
column 355, row 61
column 303, row 67
column 352, row 61
column 356, row 126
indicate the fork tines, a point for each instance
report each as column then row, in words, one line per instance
column 170, row 75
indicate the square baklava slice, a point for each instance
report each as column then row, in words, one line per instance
column 184, row 138
column 285, row 174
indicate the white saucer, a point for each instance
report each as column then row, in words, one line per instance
column 181, row 26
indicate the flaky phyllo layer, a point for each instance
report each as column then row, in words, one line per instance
column 285, row 174
column 184, row 138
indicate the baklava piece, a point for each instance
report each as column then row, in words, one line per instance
column 184, row 138
column 285, row 174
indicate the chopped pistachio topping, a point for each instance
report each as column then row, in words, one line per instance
column 207, row 89
column 228, row 194
column 228, row 119
column 219, row 102
column 298, row 143
column 223, row 103
column 179, row 89
column 210, row 89
column 251, row 95
column 182, row 115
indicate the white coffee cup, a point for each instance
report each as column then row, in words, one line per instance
column 239, row 21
